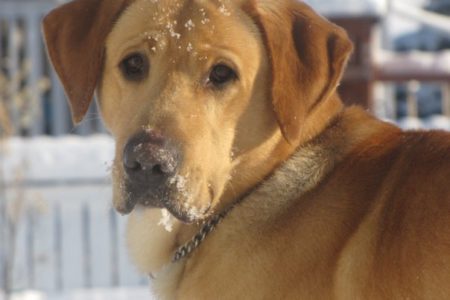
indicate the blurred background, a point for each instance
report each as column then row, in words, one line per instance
column 60, row 238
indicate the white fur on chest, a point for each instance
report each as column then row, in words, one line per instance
column 165, row 284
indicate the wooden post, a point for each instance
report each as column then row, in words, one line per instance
column 412, row 106
column 58, row 248
column 86, row 244
column 446, row 99
column 34, row 74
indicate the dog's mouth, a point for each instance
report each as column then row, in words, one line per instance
column 173, row 195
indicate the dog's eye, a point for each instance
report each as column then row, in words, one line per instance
column 135, row 67
column 221, row 74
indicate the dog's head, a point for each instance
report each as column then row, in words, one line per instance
column 203, row 97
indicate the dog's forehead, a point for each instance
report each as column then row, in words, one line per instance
column 181, row 23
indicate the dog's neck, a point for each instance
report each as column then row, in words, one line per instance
column 258, row 164
column 317, row 158
column 248, row 177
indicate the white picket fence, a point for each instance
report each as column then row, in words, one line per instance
column 58, row 231
column 64, row 237
column 29, row 88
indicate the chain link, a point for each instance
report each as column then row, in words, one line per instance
column 193, row 244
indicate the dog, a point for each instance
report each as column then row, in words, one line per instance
column 244, row 175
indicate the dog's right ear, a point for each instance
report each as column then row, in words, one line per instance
column 75, row 35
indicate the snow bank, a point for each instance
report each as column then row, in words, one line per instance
column 95, row 294
column 410, row 123
column 65, row 158
column 29, row 295
column 438, row 122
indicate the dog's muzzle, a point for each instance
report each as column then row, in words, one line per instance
column 149, row 161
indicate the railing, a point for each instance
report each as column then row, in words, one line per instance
column 32, row 101
column 413, row 73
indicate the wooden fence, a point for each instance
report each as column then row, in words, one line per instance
column 57, row 236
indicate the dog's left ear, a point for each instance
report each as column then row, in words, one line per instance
column 75, row 35
column 308, row 55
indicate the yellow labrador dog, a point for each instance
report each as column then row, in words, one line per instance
column 245, row 176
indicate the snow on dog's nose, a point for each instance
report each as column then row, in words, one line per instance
column 149, row 161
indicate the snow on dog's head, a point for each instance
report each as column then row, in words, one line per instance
column 194, row 68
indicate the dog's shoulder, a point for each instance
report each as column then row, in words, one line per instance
column 414, row 217
column 388, row 194
column 422, row 161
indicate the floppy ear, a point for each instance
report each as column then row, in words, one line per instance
column 75, row 35
column 308, row 55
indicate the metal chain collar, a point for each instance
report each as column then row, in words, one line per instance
column 206, row 229
column 193, row 244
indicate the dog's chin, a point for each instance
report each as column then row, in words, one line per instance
column 187, row 213
column 182, row 211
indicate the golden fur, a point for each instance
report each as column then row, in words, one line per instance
column 340, row 204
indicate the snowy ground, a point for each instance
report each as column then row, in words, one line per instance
column 63, row 159
column 96, row 294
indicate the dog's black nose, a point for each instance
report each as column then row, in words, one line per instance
column 149, row 159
